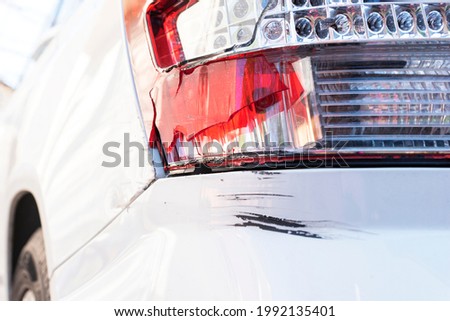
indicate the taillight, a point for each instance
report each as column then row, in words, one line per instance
column 274, row 81
column 185, row 30
column 162, row 20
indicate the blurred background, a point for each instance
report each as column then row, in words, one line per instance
column 26, row 26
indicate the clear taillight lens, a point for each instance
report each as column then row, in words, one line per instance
column 187, row 30
column 379, row 99
column 320, row 97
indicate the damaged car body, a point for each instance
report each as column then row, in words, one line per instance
column 298, row 150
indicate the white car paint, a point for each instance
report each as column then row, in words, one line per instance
column 384, row 234
column 131, row 233
column 79, row 96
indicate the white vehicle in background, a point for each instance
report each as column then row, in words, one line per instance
column 232, row 150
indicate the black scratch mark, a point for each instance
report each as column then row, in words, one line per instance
column 250, row 196
column 270, row 220
column 274, row 224
column 266, row 173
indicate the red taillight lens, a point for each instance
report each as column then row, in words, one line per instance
column 223, row 101
column 162, row 21
column 361, row 101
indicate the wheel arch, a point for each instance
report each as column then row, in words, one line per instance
column 24, row 220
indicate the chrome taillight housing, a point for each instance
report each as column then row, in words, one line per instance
column 280, row 82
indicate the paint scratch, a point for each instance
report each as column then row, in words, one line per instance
column 275, row 224
column 251, row 196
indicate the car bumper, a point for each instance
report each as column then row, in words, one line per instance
column 318, row 234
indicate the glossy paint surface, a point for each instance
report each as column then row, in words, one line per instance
column 329, row 234
column 121, row 233
column 79, row 97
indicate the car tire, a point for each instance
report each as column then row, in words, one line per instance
column 30, row 280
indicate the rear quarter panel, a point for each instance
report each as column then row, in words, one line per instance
column 79, row 96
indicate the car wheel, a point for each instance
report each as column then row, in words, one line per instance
column 30, row 282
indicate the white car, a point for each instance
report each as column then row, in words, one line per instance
column 232, row 149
